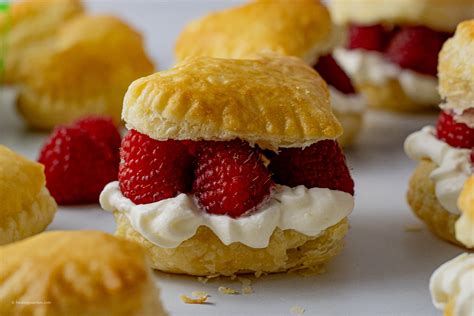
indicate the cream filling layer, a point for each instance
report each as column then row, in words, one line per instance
column 453, row 165
column 347, row 103
column 169, row 222
column 454, row 281
column 372, row 68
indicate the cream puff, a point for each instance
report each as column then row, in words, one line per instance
column 29, row 26
column 451, row 286
column 445, row 152
column 300, row 28
column 26, row 206
column 230, row 166
column 392, row 48
column 76, row 273
column 464, row 227
column 86, row 71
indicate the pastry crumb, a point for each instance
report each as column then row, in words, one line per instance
column 245, row 281
column 227, row 290
column 193, row 300
column 199, row 293
column 247, row 289
column 202, row 280
column 297, row 310
column 413, row 229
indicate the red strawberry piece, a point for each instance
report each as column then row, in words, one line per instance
column 334, row 76
column 454, row 133
column 152, row 170
column 76, row 166
column 101, row 129
column 372, row 37
column 193, row 146
column 416, row 48
column 230, row 179
column 321, row 165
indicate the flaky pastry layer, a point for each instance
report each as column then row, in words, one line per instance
column 205, row 255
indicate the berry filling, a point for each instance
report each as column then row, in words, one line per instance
column 410, row 47
column 456, row 134
column 333, row 74
column 225, row 177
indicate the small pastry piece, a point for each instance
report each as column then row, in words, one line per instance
column 393, row 47
column 26, row 206
column 87, row 71
column 300, row 28
column 451, row 286
column 445, row 152
column 231, row 167
column 30, row 26
column 465, row 224
column 76, row 273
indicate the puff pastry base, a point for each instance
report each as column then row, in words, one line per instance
column 352, row 124
column 205, row 255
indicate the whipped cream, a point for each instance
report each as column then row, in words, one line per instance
column 347, row 103
column 453, row 165
column 371, row 67
column 169, row 222
column 454, row 281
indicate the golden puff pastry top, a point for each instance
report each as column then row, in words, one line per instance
column 300, row 28
column 456, row 68
column 274, row 101
column 21, row 180
column 31, row 25
column 76, row 273
column 465, row 224
column 441, row 15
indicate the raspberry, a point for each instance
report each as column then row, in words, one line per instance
column 101, row 129
column 455, row 134
column 416, row 48
column 230, row 178
column 321, row 165
column 334, row 75
column 76, row 166
column 152, row 170
column 373, row 37
column 193, row 146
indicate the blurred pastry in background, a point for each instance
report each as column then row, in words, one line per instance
column 230, row 166
column 26, row 207
column 465, row 224
column 452, row 286
column 445, row 152
column 393, row 46
column 30, row 27
column 300, row 28
column 77, row 273
column 87, row 70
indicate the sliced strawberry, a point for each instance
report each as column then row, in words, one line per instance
column 454, row 133
column 372, row 37
column 333, row 74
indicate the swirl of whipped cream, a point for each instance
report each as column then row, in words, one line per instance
column 454, row 281
column 372, row 67
column 453, row 165
column 169, row 222
column 347, row 103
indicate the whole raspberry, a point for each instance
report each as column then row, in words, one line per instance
column 76, row 166
column 152, row 170
column 334, row 76
column 230, row 178
column 321, row 165
column 373, row 37
column 416, row 48
column 101, row 129
column 455, row 134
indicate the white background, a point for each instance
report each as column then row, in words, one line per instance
column 383, row 270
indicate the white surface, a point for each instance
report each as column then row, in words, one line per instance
column 383, row 270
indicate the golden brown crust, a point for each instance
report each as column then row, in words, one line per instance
column 274, row 101
column 76, row 273
column 456, row 68
column 300, row 28
column 204, row 254
column 422, row 199
column 93, row 61
column 391, row 97
column 26, row 206
column 31, row 26
column 465, row 224
column 441, row 15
